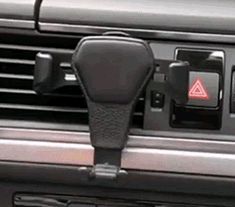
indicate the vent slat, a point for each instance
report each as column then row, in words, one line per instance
column 17, row 61
column 16, row 76
column 42, row 108
column 31, row 92
column 18, row 91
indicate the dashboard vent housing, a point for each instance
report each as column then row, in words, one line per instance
column 20, row 106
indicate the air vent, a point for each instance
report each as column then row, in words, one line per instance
column 20, row 106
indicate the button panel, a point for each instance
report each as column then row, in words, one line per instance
column 207, row 92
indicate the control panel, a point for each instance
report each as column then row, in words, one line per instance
column 211, row 92
column 204, row 92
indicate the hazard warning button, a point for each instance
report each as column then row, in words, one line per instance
column 198, row 90
column 203, row 89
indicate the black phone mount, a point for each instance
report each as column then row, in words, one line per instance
column 112, row 71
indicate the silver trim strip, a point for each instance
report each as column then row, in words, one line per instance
column 160, row 160
column 46, row 152
column 17, row 23
column 159, row 154
column 162, row 141
column 145, row 33
column 177, row 161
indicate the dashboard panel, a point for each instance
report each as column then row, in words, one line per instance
column 176, row 154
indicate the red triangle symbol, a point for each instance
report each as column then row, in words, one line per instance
column 198, row 91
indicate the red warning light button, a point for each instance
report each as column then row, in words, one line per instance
column 203, row 89
column 198, row 90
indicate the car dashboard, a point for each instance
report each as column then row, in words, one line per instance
column 180, row 149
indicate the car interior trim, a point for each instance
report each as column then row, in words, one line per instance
column 16, row 23
column 79, row 152
column 144, row 33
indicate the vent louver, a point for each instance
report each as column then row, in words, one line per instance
column 20, row 106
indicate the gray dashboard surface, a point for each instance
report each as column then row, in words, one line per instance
column 184, row 15
column 17, row 9
column 17, row 13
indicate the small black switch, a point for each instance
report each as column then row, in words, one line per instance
column 203, row 89
column 157, row 99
